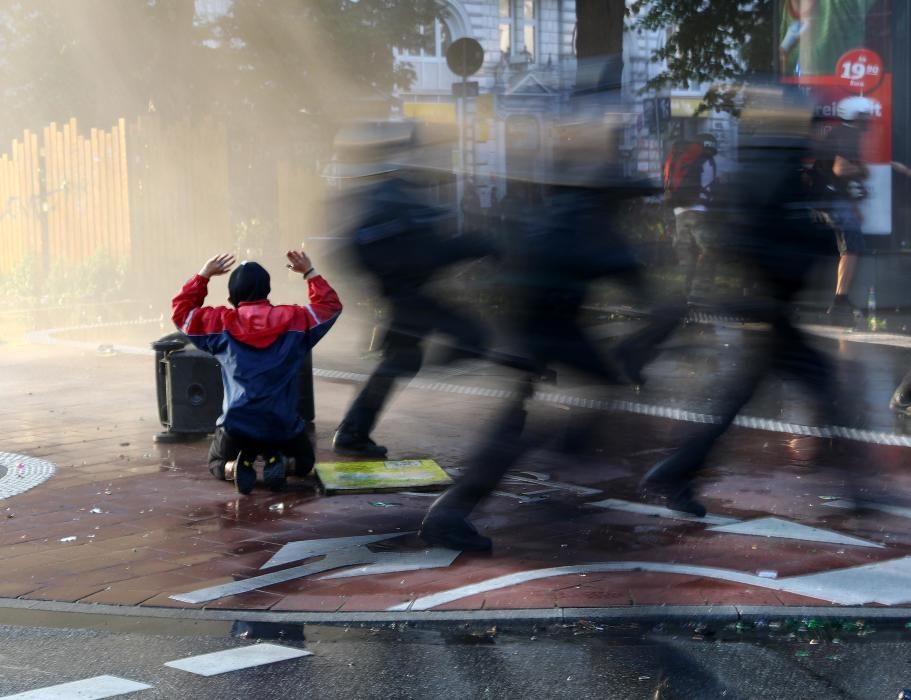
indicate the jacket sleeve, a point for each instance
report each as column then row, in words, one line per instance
column 202, row 324
column 314, row 320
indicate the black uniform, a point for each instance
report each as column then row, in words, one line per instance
column 770, row 227
column 558, row 251
column 402, row 244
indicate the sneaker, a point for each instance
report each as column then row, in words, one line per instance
column 453, row 533
column 358, row 445
column 244, row 474
column 275, row 473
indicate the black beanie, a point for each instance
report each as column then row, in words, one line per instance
column 248, row 282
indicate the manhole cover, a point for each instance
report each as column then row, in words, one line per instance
column 19, row 473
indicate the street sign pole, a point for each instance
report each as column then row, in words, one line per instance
column 464, row 57
column 460, row 172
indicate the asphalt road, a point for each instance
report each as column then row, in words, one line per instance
column 787, row 660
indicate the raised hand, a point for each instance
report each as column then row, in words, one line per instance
column 218, row 265
column 299, row 261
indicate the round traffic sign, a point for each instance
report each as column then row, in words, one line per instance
column 465, row 56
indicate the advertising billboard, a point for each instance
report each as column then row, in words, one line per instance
column 841, row 48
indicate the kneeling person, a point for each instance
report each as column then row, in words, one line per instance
column 260, row 348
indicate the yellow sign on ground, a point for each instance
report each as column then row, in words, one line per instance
column 373, row 477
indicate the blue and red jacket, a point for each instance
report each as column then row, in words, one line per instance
column 260, row 348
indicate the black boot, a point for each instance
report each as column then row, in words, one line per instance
column 446, row 523
column 347, row 442
column 453, row 532
column 679, row 496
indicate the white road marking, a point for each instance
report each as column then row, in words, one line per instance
column 88, row 689
column 236, row 659
column 635, row 407
column 358, row 555
column 660, row 512
column 19, row 479
column 894, row 340
column 333, row 560
column 759, row 527
column 544, row 483
column 901, row 511
column 431, row 601
column 769, row 425
column 785, row 529
column 887, row 583
column 394, row 562
column 307, row 549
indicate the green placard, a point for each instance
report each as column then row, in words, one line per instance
column 374, row 477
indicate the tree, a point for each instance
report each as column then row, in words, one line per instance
column 293, row 55
column 709, row 42
column 99, row 60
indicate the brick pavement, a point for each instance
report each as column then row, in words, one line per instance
column 150, row 523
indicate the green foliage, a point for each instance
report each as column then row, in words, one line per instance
column 718, row 42
column 98, row 278
column 263, row 62
column 23, row 281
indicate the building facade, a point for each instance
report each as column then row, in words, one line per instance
column 529, row 71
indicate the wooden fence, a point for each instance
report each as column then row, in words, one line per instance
column 179, row 198
column 64, row 198
column 150, row 196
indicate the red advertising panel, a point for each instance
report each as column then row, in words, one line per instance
column 838, row 49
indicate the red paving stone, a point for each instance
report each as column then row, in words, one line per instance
column 166, row 527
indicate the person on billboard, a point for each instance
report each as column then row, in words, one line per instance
column 800, row 17
column 841, row 172
column 260, row 348
column 815, row 34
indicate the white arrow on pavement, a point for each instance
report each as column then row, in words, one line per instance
column 307, row 549
column 757, row 527
column 887, row 583
column 338, row 553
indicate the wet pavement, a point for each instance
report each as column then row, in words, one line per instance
column 125, row 521
column 581, row 660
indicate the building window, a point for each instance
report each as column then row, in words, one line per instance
column 432, row 41
column 518, row 27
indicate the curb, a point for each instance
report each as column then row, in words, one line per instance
column 78, row 612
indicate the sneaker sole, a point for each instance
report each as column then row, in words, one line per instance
column 275, row 473
column 244, row 476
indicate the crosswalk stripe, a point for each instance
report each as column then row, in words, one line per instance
column 95, row 688
column 236, row 659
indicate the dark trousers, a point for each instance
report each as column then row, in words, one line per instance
column 551, row 333
column 411, row 321
column 226, row 446
column 784, row 349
